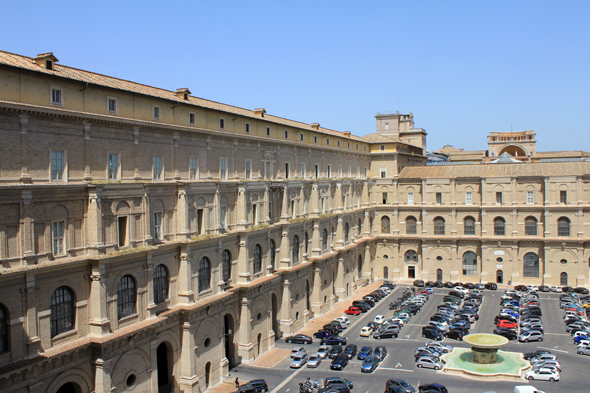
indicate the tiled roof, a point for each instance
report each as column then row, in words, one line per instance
column 377, row 138
column 536, row 169
column 27, row 63
column 551, row 154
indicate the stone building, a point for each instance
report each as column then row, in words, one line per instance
column 150, row 240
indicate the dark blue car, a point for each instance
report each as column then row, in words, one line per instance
column 364, row 352
column 370, row 364
column 322, row 334
column 333, row 340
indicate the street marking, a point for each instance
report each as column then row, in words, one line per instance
column 553, row 349
column 286, row 381
column 407, row 339
column 398, row 365
column 407, row 336
column 396, row 369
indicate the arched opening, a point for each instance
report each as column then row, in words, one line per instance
column 228, row 332
column 470, row 264
column 347, row 289
column 531, row 265
column 530, row 226
column 385, row 273
column 257, row 260
column 346, row 233
column 273, row 253
column 204, row 274
column 325, row 240
column 207, row 375
column 563, row 279
column 499, row 277
column 411, row 226
column 307, row 295
column 385, row 224
column 164, row 362
column 360, row 267
column 411, row 256
column 275, row 316
column 512, row 150
column 499, row 226
column 258, row 344
column 469, row 226
column 563, row 226
column 295, row 251
column 439, row 226
column 69, row 387
column 226, row 265
column 439, row 275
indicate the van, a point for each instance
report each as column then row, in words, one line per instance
column 526, row 389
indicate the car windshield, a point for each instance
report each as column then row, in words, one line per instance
column 403, row 384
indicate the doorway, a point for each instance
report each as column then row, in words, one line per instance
column 439, row 275
column 69, row 387
column 385, row 273
column 411, row 272
column 563, row 279
column 123, row 240
column 275, row 316
column 499, row 277
column 228, row 331
column 164, row 377
column 258, row 344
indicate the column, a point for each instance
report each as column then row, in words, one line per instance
column 26, row 228
column 102, row 376
column 185, row 290
column 245, row 344
column 87, row 152
column 94, row 222
column 285, row 311
column 453, row 192
column 182, row 213
column 241, row 210
column 483, row 192
column 285, row 206
column 136, row 175
column 175, row 139
column 188, row 381
column 314, row 201
column 339, row 232
column 24, row 156
column 365, row 199
column 366, row 224
column 99, row 325
column 284, row 247
column 147, row 216
column 338, row 206
column 339, row 284
column 149, row 278
column 316, row 295
column 316, row 239
column 242, row 266
column 33, row 341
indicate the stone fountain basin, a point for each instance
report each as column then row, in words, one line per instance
column 509, row 365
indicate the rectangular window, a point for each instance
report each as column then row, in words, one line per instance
column 113, row 166
column 255, row 214
column 57, row 165
column 366, row 172
column 499, row 198
column 387, row 126
column 338, row 143
column 58, row 237
column 192, row 168
column 439, row 198
column 270, row 210
column 157, row 169
column 357, row 146
column 340, row 171
column 221, row 123
column 223, row 217
column 286, row 134
column 191, row 118
column 329, row 171
column 247, row 128
column 248, row 169
column 267, row 131
column 563, row 196
column 468, row 198
column 292, row 209
column 56, row 96
column 315, row 140
column 327, row 141
column 200, row 220
column 317, row 171
column 157, row 112
column 112, row 108
column 222, row 169
column 530, row 197
column 301, row 137
column 158, row 225
column 122, row 229
column 385, row 198
column 410, row 198
column 303, row 170
column 267, row 170
column 287, row 170
column 383, row 172
column 382, row 147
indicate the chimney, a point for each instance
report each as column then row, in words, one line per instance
column 346, row 133
column 183, row 93
column 260, row 112
column 315, row 126
column 46, row 60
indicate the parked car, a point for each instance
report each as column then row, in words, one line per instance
column 582, row 290
column 297, row 350
column 456, row 334
column 314, row 360
column 369, row 364
column 439, row 347
column 530, row 355
column 504, row 323
column 380, row 352
column 432, row 388
column 491, row 285
column 353, row 311
column 583, row 351
column 335, row 380
column 299, row 339
column 418, row 283
column 544, row 288
column 508, row 333
column 428, row 362
column 299, row 360
column 530, row 336
column 364, row 352
column 386, row 332
column 335, row 351
column 549, row 363
column 425, row 353
column 339, row 362
column 258, row 384
column 403, row 385
column 322, row 334
column 432, row 333
column 350, row 351
column 366, row 331
column 323, row 351
column 379, row 319
column 344, row 321
column 543, row 374
column 334, row 340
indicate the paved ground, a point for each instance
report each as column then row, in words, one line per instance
column 400, row 361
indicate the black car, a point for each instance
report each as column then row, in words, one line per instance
column 358, row 303
column 530, row 355
column 331, row 325
column 334, row 388
column 567, row 289
column 544, row 288
column 469, row 285
column 364, row 352
column 299, row 339
column 456, row 334
column 438, row 284
column 394, row 389
column 418, row 283
column 322, row 334
column 259, row 384
column 429, row 284
column 400, row 383
column 380, row 352
column 491, row 285
column 581, row 290
column 350, row 351
column 334, row 351
column 448, row 284
column 334, row 340
column 339, row 362
column 388, row 332
column 369, row 302
column 508, row 333
column 432, row 388
column 432, row 333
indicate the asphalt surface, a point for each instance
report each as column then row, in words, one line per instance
column 399, row 363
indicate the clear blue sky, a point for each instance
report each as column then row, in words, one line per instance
column 464, row 68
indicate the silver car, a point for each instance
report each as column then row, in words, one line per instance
column 323, row 351
column 299, row 360
column 531, row 336
column 583, row 351
column 428, row 362
column 549, row 363
column 314, row 360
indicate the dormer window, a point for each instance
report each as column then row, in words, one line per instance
column 182, row 93
column 49, row 64
column 185, row 96
column 46, row 60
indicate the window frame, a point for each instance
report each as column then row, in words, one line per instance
column 158, row 225
column 468, row 197
column 382, row 172
column 223, row 171
column 295, row 250
column 161, row 284
column 204, row 273
column 117, row 171
column 499, row 226
column 471, row 268
column 267, row 131
column 529, row 229
column 528, row 269
column 63, row 314
column 439, row 229
column 301, row 136
column 257, row 259
column 156, row 112
column 126, row 297
column 64, row 172
column 221, row 124
column 226, row 265
column 248, row 169
column 561, row 230
column 411, row 225
column 247, row 128
column 563, row 196
column 410, row 198
column 438, row 197
column 530, row 197
column 193, row 175
column 192, row 118
column 53, row 89
column 469, row 230
column 160, row 174
column 60, row 238
column 303, row 174
column 499, row 198
column 286, row 134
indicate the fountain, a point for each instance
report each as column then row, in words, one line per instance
column 485, row 359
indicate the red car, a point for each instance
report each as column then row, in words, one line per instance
column 353, row 311
column 503, row 323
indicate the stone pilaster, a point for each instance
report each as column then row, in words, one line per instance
column 87, row 152
column 186, row 294
column 24, row 148
column 100, row 324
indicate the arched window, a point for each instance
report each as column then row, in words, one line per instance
column 360, row 267
column 470, row 264
column 563, row 279
column 325, row 240
column 204, row 274
column 411, row 256
column 273, row 253
column 306, row 239
column 411, row 225
column 63, row 312
column 439, row 226
column 499, row 226
column 563, row 226
column 295, row 250
column 346, row 233
column 530, row 226
column 160, row 284
column 385, row 224
column 469, row 226
column 257, row 259
column 531, row 265
column 226, row 264
column 4, row 332
column 126, row 297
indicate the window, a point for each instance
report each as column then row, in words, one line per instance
column 317, row 171
column 222, row 169
column 286, row 134
column 530, row 226
column 382, row 147
column 439, row 226
column 469, row 264
column 366, row 173
column 223, row 217
column 113, row 166
column 295, row 250
column 200, row 220
column 58, row 237
column 439, row 198
column 499, row 226
column 303, row 170
column 267, row 173
column 563, row 196
column 327, row 141
column 267, row 131
column 204, row 274
column 158, row 225
column 315, row 140
column 338, row 143
column 192, row 168
column 122, row 226
column 410, row 198
column 499, row 198
column 411, row 225
column 248, row 169
column 221, row 123
column 349, row 171
column 563, row 279
column 387, row 126
column 286, row 170
column 411, row 256
column 346, row 233
column 57, row 165
column 531, row 265
column 563, row 226
column 4, row 330
column 468, row 198
column 349, row 145
column 191, row 119
column 530, row 197
column 384, row 195
column 226, row 265
column 301, row 137
column 247, row 128
column 126, row 297
column 469, row 226
column 273, row 253
column 329, row 171
column 160, row 284
column 156, row 113
column 257, row 261
column 254, row 214
column 157, row 168
column 112, row 105
column 63, row 312
column 56, row 96
column 325, row 240
column 357, row 146
column 359, row 228
column 385, row 227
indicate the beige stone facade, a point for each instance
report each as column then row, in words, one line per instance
column 151, row 240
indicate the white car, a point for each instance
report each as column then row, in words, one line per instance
column 543, row 374
column 297, row 351
column 556, row 289
column 549, row 363
column 299, row 360
column 344, row 321
column 387, row 290
column 379, row 319
column 464, row 291
column 366, row 331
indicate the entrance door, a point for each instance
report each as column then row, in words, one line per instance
column 164, row 380
column 499, row 277
column 385, row 273
column 563, row 281
column 411, row 272
column 439, row 275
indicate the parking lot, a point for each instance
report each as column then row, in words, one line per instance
column 399, row 362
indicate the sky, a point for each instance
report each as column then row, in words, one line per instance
column 464, row 68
